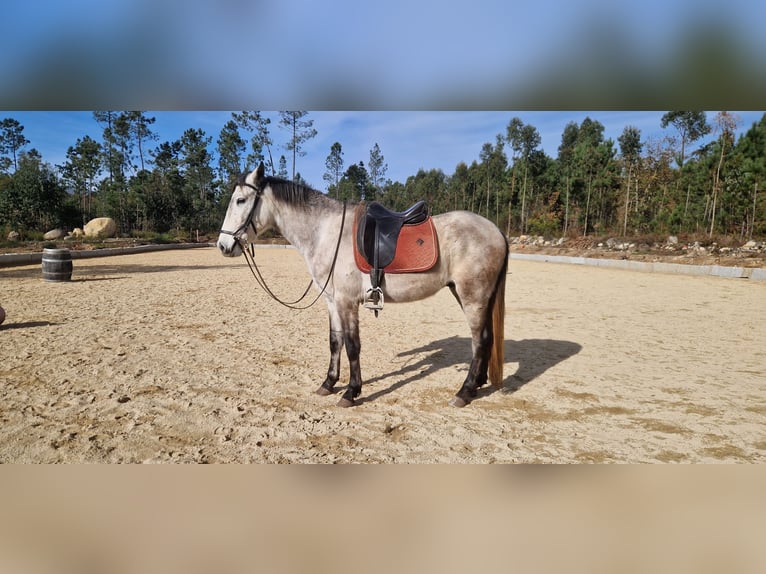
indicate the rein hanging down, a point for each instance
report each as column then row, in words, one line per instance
column 256, row 272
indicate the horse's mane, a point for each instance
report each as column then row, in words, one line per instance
column 295, row 193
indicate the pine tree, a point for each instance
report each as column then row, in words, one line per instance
column 231, row 146
column 334, row 165
column 377, row 169
column 258, row 124
column 11, row 140
column 301, row 130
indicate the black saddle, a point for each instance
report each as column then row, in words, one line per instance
column 378, row 231
column 377, row 234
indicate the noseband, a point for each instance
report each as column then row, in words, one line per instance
column 237, row 233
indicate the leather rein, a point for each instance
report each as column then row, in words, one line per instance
column 250, row 254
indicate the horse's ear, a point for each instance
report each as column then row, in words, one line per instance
column 259, row 173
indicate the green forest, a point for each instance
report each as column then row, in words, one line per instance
column 593, row 186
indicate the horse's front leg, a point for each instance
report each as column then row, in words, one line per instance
column 353, row 348
column 337, row 340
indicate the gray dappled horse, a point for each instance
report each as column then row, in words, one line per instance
column 472, row 262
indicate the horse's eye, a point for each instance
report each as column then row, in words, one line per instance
column 241, row 200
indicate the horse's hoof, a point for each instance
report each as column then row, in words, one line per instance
column 458, row 402
column 345, row 403
column 323, row 391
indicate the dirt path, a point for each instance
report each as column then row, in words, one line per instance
column 178, row 357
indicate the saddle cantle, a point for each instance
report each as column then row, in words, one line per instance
column 392, row 242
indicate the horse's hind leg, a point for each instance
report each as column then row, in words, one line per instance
column 479, row 320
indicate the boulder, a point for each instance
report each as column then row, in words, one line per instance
column 54, row 234
column 75, row 234
column 100, row 227
column 13, row 236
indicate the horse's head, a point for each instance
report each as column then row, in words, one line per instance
column 244, row 213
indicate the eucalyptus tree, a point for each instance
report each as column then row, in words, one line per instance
column 630, row 150
column 492, row 173
column 429, row 185
column 588, row 157
column 566, row 164
column 459, row 187
column 524, row 140
column 690, row 124
column 726, row 124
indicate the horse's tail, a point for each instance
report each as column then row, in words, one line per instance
column 497, row 353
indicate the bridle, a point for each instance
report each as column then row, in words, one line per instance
column 250, row 255
column 237, row 233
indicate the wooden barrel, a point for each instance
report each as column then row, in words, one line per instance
column 57, row 265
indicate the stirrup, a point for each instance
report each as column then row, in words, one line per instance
column 373, row 300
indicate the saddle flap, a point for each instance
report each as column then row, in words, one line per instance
column 402, row 247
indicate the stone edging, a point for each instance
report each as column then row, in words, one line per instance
column 756, row 273
column 15, row 259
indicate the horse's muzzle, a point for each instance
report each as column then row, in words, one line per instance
column 228, row 246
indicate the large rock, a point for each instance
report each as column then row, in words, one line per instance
column 13, row 236
column 75, row 234
column 100, row 227
column 54, row 234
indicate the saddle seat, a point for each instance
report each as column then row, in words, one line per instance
column 389, row 241
column 381, row 227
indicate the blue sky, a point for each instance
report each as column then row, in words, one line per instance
column 408, row 140
column 400, row 54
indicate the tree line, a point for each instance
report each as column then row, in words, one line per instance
column 594, row 185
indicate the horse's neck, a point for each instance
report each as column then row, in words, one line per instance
column 304, row 227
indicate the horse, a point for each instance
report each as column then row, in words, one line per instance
column 472, row 262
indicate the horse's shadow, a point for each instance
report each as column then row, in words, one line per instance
column 534, row 356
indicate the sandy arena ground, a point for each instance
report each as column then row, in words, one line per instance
column 178, row 356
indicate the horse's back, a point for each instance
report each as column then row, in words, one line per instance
column 470, row 240
column 471, row 250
